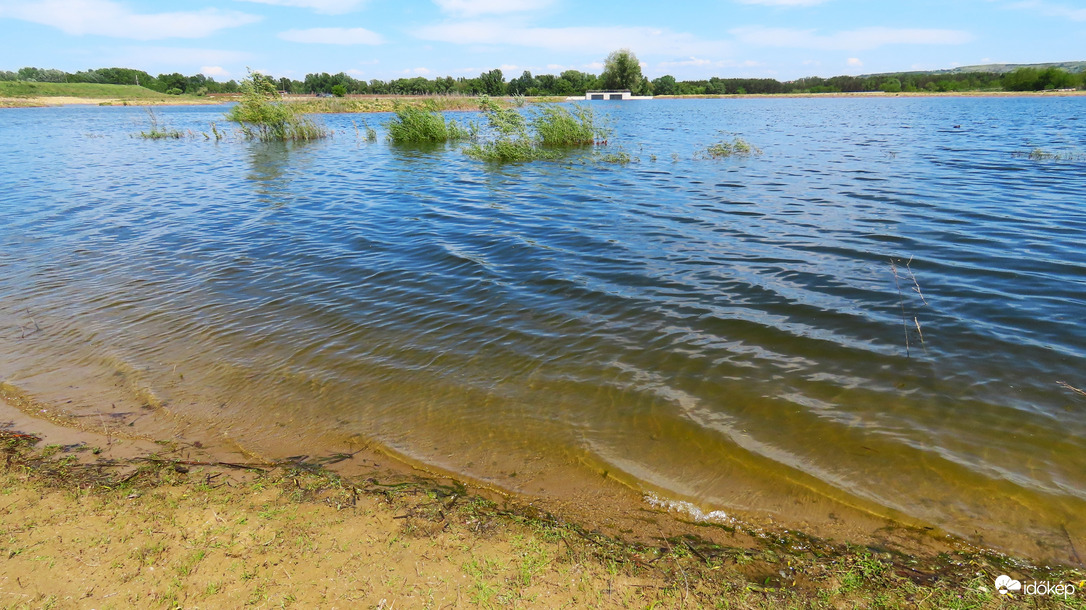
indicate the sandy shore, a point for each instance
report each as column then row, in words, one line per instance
column 92, row 516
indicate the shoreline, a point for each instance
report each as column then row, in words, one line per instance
column 86, row 468
column 383, row 102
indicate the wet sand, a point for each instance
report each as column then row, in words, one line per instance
column 112, row 520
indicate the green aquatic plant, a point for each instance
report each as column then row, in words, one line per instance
column 542, row 135
column 558, row 126
column 263, row 116
column 417, row 125
column 724, row 148
column 1040, row 154
column 367, row 133
column 617, row 158
column 158, row 132
column 510, row 141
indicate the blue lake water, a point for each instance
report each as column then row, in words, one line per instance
column 882, row 311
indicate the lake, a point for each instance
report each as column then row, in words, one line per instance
column 880, row 313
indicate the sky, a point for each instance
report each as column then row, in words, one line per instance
column 386, row 39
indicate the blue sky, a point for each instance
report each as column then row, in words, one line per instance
column 386, row 39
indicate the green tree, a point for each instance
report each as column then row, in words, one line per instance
column 1023, row 79
column 339, row 90
column 890, row 85
column 493, row 83
column 665, row 85
column 1054, row 78
column 573, row 82
column 622, row 70
column 173, row 81
column 520, row 86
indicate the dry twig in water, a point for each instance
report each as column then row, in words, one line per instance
column 1071, row 387
column 916, row 285
column 901, row 303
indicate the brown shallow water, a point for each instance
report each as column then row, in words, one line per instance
column 726, row 335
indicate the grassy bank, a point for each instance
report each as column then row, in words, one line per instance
column 84, row 90
column 82, row 530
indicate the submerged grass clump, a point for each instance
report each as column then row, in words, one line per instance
column 543, row 135
column 1040, row 154
column 616, row 158
column 264, row 118
column 724, row 148
column 158, row 132
column 418, row 125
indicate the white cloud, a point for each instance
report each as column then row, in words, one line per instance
column 327, row 7
column 701, row 62
column 160, row 59
column 214, row 71
column 418, row 71
column 602, row 40
column 1050, row 9
column 854, row 61
column 175, row 58
column 471, row 8
column 342, row 36
column 848, row 40
column 784, row 2
column 108, row 18
column 693, row 61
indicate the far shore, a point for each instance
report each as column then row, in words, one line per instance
column 49, row 101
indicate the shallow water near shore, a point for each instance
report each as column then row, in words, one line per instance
column 881, row 312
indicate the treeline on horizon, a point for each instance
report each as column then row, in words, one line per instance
column 573, row 82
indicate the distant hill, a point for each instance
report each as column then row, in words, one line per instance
column 1070, row 66
column 1073, row 67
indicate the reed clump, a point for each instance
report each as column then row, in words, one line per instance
column 413, row 124
column 263, row 117
column 544, row 134
column 559, row 126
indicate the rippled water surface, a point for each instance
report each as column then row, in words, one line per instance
column 884, row 310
